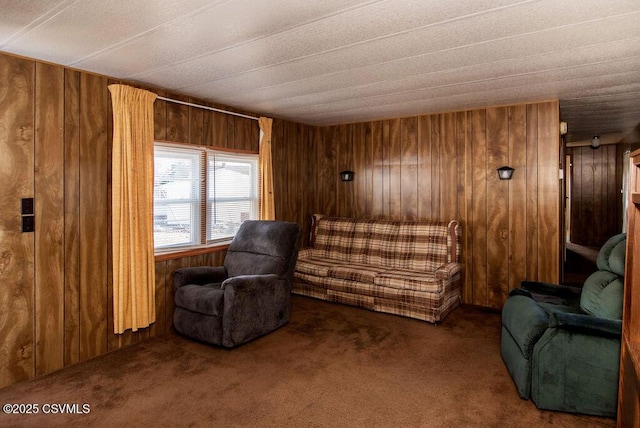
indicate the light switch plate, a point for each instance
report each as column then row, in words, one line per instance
column 28, row 223
column 26, row 207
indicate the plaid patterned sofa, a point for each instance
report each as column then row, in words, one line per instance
column 404, row 268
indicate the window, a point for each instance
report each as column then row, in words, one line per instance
column 201, row 196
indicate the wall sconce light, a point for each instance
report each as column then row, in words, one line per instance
column 346, row 175
column 595, row 142
column 505, row 172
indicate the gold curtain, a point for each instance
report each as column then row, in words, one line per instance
column 267, row 205
column 132, row 208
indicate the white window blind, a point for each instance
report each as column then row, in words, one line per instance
column 201, row 196
column 232, row 195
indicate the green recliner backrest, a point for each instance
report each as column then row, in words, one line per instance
column 610, row 260
column 603, row 292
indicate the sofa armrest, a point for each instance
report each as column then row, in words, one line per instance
column 586, row 324
column 305, row 253
column 448, row 270
column 198, row 275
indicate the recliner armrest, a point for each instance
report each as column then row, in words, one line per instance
column 198, row 275
column 248, row 283
column 253, row 305
column 551, row 293
column 587, row 324
column 520, row 292
column 552, row 289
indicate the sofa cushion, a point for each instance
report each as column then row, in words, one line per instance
column 380, row 247
column 410, row 245
column 373, row 242
column 316, row 281
column 602, row 295
column 316, row 267
column 356, row 272
column 360, row 300
column 351, row 287
column 408, row 280
column 333, row 238
column 421, row 247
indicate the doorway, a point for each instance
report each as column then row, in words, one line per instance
column 579, row 260
column 593, row 207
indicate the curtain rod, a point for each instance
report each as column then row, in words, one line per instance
column 171, row 100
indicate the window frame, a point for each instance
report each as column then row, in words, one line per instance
column 205, row 152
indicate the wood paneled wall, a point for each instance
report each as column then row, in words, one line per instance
column 596, row 203
column 55, row 144
column 440, row 167
column 55, row 140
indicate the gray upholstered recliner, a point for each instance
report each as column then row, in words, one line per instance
column 561, row 344
column 247, row 297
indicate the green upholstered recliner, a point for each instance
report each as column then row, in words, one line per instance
column 561, row 344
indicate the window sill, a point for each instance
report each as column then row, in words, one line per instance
column 190, row 252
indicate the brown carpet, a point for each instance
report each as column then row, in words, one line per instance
column 331, row 366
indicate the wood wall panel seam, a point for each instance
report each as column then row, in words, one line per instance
column 49, row 205
column 93, row 216
column 71, row 218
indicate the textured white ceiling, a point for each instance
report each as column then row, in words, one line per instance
column 341, row 61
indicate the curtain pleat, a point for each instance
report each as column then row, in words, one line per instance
column 132, row 208
column 267, row 205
